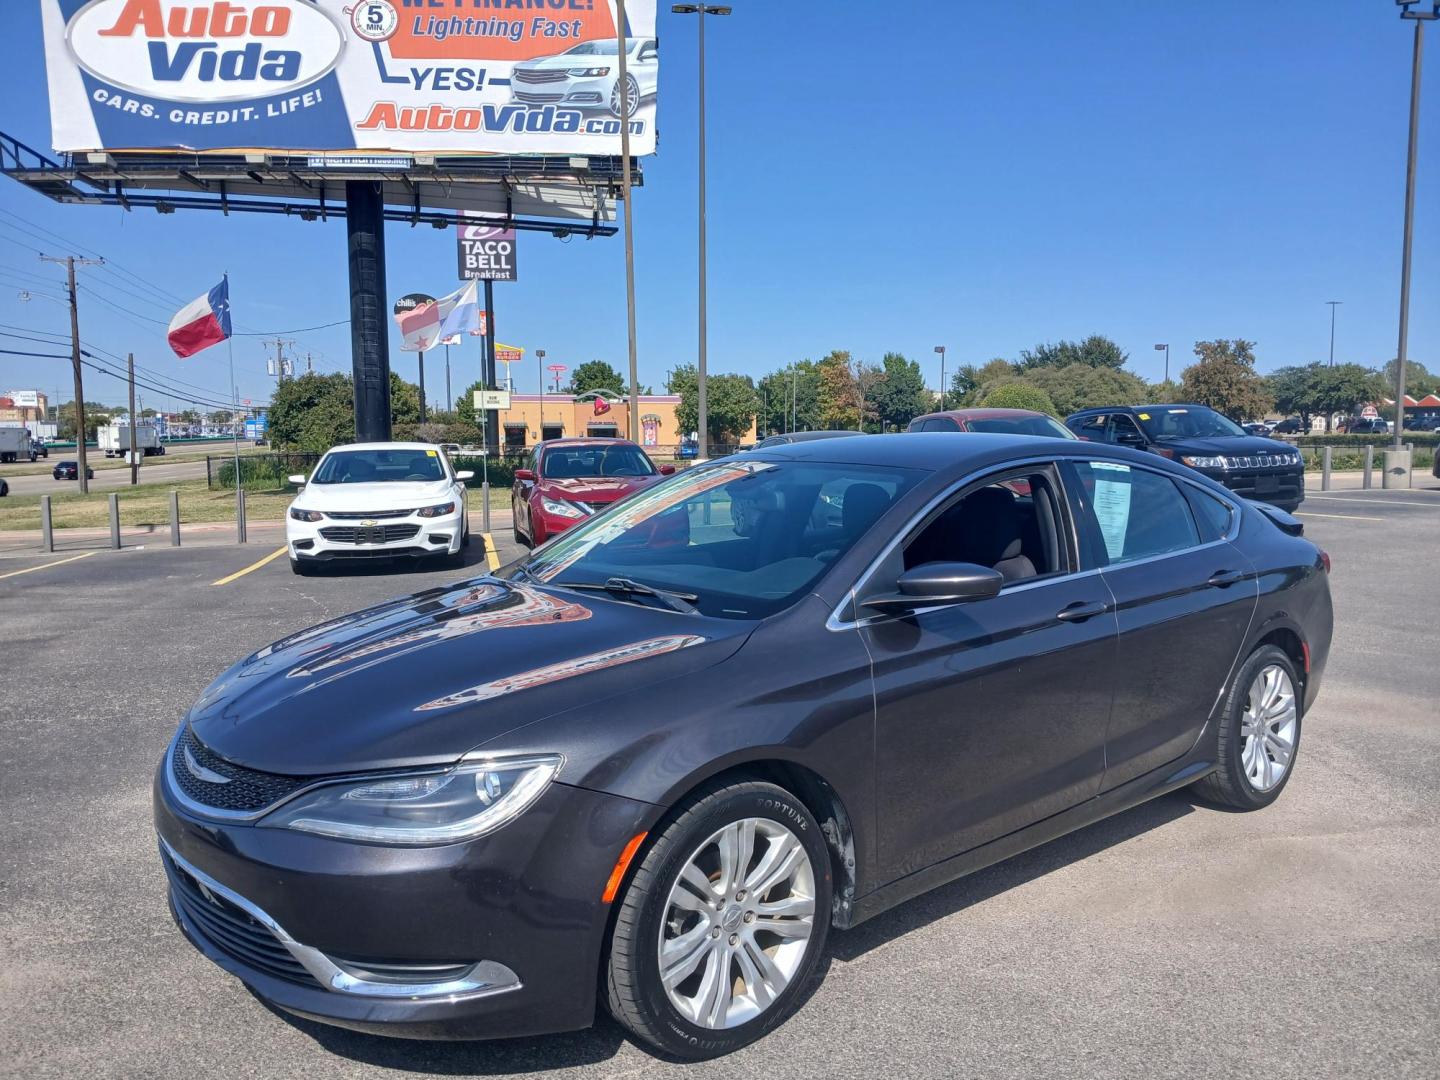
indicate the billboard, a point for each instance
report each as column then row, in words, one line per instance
column 24, row 399
column 487, row 253
column 406, row 76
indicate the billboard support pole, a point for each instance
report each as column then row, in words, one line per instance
column 621, row 26
column 487, row 374
column 422, row 386
column 369, row 336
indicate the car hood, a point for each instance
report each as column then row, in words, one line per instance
column 600, row 489
column 1241, row 445
column 393, row 495
column 551, row 63
column 422, row 680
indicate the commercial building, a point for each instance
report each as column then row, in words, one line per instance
column 23, row 406
column 533, row 417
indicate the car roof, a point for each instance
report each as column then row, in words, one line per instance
column 1139, row 408
column 582, row 440
column 811, row 436
column 932, row 451
column 982, row 414
column 384, row 446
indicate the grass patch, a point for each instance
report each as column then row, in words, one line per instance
column 145, row 504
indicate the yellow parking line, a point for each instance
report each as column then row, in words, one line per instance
column 1347, row 517
column 253, row 566
column 491, row 555
column 46, row 566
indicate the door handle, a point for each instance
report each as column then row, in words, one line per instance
column 1223, row 579
column 1081, row 610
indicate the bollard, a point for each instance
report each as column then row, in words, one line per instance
column 240, row 515
column 114, row 520
column 47, row 534
column 1369, row 465
column 1395, row 473
column 485, row 506
column 1325, row 468
column 174, row 519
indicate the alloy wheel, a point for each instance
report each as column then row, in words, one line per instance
column 737, row 923
column 1268, row 728
column 632, row 96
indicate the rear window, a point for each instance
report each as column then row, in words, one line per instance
column 1022, row 425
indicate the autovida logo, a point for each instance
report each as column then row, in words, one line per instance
column 205, row 52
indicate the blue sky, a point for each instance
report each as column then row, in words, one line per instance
column 981, row 175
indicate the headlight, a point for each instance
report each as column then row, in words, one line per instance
column 432, row 808
column 436, row 511
column 588, row 73
column 1203, row 462
column 561, row 508
column 306, row 515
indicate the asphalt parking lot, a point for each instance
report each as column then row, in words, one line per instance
column 1303, row 941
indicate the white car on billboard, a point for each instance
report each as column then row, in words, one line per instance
column 588, row 76
column 378, row 500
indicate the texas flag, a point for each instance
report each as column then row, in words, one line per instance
column 203, row 322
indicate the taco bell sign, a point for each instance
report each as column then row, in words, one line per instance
column 487, row 253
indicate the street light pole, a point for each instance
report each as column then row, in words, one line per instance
column 1420, row 18
column 702, row 376
column 1166, row 350
column 1333, row 305
column 941, row 350
column 540, row 370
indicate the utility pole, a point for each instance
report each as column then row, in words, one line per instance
column 134, row 461
column 1333, row 305
column 422, row 386
column 70, row 262
column 941, row 350
column 540, row 370
column 623, row 88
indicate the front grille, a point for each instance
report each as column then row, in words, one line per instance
column 231, row 929
column 369, row 534
column 366, row 515
column 530, row 98
column 1259, row 461
column 529, row 75
column 247, row 790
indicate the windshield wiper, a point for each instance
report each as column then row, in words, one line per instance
column 676, row 601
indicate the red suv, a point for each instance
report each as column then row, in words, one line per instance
column 564, row 481
column 1001, row 421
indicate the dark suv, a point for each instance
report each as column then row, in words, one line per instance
column 1267, row 470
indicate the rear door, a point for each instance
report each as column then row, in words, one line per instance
column 1184, row 597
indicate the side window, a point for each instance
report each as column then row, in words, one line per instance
column 1123, row 430
column 941, row 423
column 1011, row 524
column 1214, row 516
column 1091, row 428
column 1135, row 513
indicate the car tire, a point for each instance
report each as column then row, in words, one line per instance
column 633, row 93
column 1250, row 776
column 4, row 489
column 300, row 568
column 728, row 945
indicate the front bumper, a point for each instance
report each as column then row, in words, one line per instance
column 346, row 538
column 577, row 92
column 513, row 921
column 1282, row 487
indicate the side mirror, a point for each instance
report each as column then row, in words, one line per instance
column 667, row 470
column 297, row 478
column 524, row 474
column 465, row 474
column 939, row 583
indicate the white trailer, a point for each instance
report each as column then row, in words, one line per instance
column 16, row 444
column 114, row 439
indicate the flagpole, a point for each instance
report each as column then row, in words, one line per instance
column 234, row 391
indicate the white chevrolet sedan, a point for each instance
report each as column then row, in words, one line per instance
column 378, row 500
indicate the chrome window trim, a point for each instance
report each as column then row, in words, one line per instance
column 484, row 978
column 834, row 622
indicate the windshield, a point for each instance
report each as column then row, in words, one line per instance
column 606, row 459
column 1186, row 422
column 1022, row 425
column 379, row 467
column 600, row 48
column 748, row 538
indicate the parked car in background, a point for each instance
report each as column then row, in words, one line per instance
column 688, row 450
column 1367, row 425
column 587, row 76
column 70, row 470
column 1291, row 425
column 564, row 481
column 652, row 764
column 4, row 488
column 1194, row 435
column 378, row 500
column 993, row 421
column 1257, row 428
column 787, row 437
column 1423, row 423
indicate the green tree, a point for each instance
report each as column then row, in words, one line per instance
column 839, row 392
column 1019, row 395
column 596, row 375
column 1418, row 379
column 313, row 412
column 1081, row 386
column 1163, row 392
column 1225, row 379
column 1295, row 389
column 969, row 383
column 798, row 383
column 404, row 401
column 465, row 414
column 900, row 395
column 730, row 404
column 1344, row 388
column 1095, row 351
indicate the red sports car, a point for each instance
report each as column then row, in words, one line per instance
column 564, row 481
